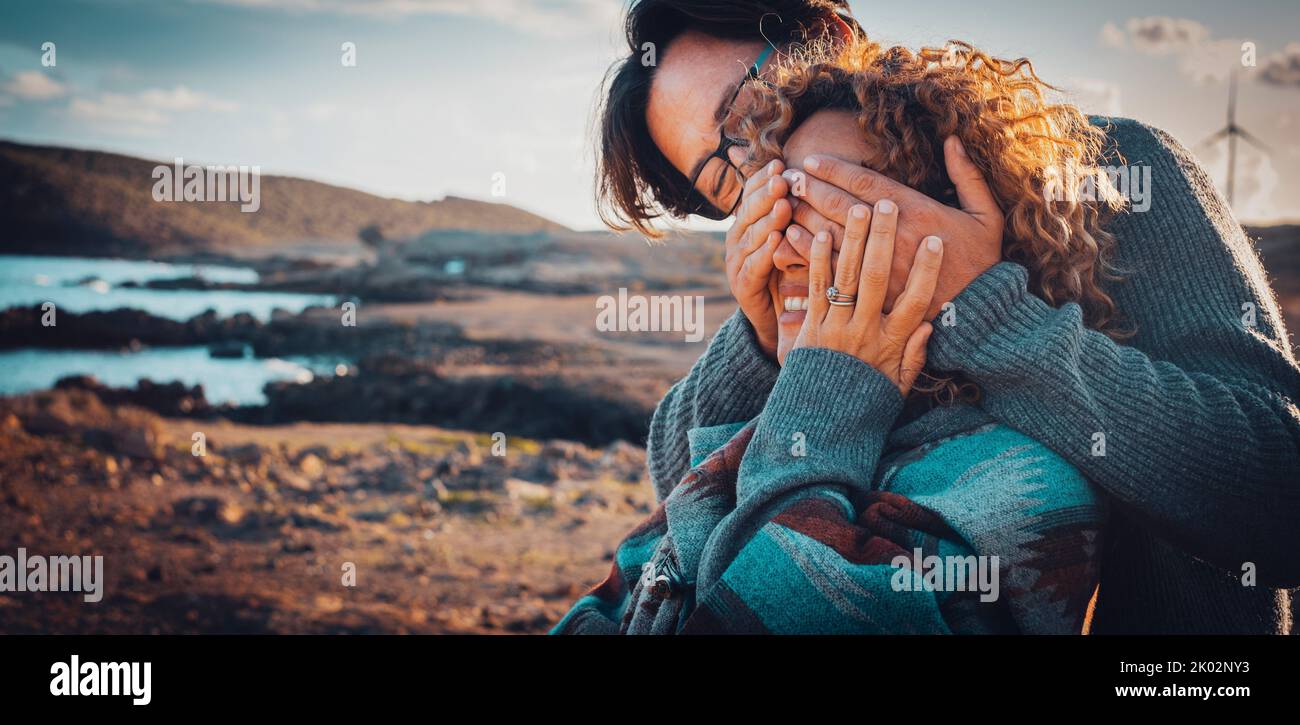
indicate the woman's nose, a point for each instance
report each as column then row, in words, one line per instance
column 788, row 256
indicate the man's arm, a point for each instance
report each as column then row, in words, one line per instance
column 1191, row 425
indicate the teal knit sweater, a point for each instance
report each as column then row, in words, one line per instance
column 946, row 523
column 1190, row 426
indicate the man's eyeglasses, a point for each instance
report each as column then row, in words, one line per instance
column 717, row 178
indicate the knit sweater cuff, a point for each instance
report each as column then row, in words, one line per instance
column 704, row 441
column 825, row 421
column 989, row 317
column 736, row 392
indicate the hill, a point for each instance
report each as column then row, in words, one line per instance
column 70, row 201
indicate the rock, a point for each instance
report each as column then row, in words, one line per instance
column 562, row 450
column 138, row 438
column 323, row 452
column 248, row 454
column 521, row 490
column 468, row 454
column 232, row 349
column 395, row 477
column 311, row 466
column 285, row 476
column 209, row 510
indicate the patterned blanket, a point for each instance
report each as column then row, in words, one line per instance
column 982, row 531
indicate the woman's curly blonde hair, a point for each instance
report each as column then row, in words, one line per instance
column 1039, row 157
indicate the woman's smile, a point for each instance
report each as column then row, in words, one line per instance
column 793, row 300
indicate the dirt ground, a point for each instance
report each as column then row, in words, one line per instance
column 254, row 536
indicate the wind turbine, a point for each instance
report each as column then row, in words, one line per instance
column 1232, row 132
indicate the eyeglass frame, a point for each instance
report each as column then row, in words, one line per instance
column 725, row 143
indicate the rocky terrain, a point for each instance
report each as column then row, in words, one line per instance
column 253, row 535
column 474, row 321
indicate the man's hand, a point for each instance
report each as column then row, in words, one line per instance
column 972, row 235
column 754, row 235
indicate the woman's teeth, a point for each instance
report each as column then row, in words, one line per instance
column 794, row 304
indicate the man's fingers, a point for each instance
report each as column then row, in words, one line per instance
column 773, row 168
column 755, row 206
column 809, row 218
column 862, row 183
column 911, row 307
column 972, row 189
column 777, row 218
column 828, row 200
column 757, row 267
column 879, row 257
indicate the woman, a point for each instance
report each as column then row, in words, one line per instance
column 761, row 537
column 1190, row 426
column 966, row 526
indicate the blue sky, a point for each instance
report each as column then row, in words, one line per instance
column 447, row 93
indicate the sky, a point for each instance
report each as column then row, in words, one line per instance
column 493, row 99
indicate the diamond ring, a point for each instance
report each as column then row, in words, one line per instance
column 840, row 299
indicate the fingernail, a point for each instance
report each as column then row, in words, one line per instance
column 771, row 167
column 858, row 211
column 958, row 146
column 934, row 244
column 885, row 206
column 823, row 237
column 793, row 233
column 811, row 163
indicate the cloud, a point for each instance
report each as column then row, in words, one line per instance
column 181, row 98
column 1283, row 69
column 1097, row 97
column 1212, row 61
column 556, row 18
column 33, row 85
column 1166, row 36
column 1112, row 36
column 1199, row 55
column 115, row 108
column 145, row 110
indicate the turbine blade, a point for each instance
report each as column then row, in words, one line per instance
column 1218, row 136
column 1250, row 139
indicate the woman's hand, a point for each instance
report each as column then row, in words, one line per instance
column 973, row 233
column 754, row 235
column 895, row 343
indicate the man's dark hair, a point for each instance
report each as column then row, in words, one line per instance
column 635, row 183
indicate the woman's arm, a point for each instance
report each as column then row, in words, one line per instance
column 734, row 376
column 1191, row 425
column 842, row 386
column 791, row 558
column 728, row 384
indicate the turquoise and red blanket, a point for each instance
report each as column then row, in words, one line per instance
column 980, row 531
